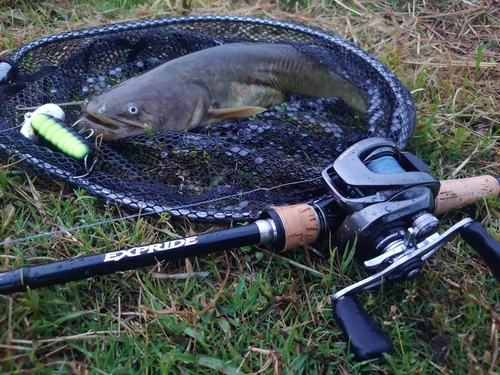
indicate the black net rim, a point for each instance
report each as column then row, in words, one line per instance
column 403, row 104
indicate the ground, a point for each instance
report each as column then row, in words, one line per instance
column 255, row 313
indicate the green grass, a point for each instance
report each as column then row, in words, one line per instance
column 255, row 312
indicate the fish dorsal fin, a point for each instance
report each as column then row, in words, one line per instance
column 220, row 114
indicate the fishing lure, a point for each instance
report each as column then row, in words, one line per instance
column 59, row 136
column 49, row 108
column 46, row 127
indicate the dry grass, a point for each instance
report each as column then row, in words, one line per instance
column 447, row 53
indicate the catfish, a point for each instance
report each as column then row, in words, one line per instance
column 215, row 84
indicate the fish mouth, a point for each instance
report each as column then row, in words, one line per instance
column 115, row 122
column 112, row 128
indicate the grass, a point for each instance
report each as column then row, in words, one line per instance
column 268, row 315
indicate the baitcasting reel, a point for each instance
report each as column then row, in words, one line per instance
column 389, row 198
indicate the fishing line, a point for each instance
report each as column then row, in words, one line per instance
column 385, row 165
column 21, row 107
column 11, row 128
column 142, row 214
column 24, row 108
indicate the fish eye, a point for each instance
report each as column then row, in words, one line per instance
column 132, row 109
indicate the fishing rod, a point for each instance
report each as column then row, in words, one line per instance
column 381, row 200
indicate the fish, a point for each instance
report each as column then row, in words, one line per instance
column 215, row 84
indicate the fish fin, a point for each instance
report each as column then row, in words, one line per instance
column 219, row 114
column 198, row 114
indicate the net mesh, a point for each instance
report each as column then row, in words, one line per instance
column 225, row 171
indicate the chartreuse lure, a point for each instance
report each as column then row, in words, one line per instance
column 60, row 136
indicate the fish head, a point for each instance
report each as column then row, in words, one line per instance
column 101, row 116
column 127, row 110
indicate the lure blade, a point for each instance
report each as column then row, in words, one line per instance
column 27, row 130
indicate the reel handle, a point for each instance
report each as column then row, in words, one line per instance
column 484, row 244
column 366, row 339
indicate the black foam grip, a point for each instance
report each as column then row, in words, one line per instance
column 366, row 338
column 484, row 244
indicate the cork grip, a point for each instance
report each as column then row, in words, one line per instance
column 300, row 224
column 458, row 193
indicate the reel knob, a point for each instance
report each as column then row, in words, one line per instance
column 366, row 338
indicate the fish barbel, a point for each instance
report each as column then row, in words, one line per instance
column 212, row 85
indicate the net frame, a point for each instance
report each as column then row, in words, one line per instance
column 390, row 114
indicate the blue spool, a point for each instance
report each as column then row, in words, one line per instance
column 385, row 165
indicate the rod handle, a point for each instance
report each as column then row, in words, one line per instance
column 7, row 72
column 366, row 338
column 462, row 192
column 484, row 244
column 296, row 225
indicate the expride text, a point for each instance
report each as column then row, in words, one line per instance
column 148, row 249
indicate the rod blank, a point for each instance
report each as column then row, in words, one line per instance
column 18, row 280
